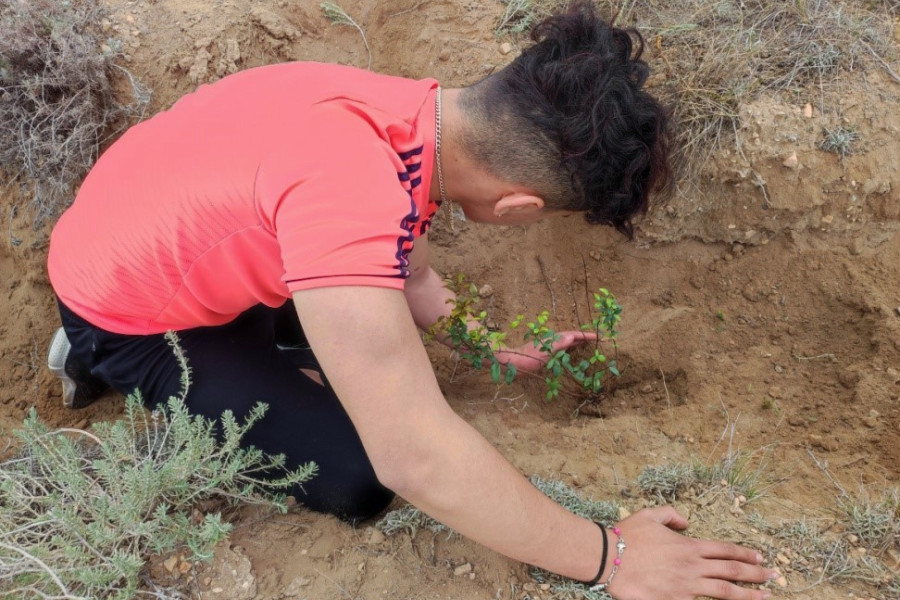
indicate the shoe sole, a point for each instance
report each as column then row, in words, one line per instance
column 56, row 360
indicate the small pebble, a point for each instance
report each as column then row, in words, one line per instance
column 170, row 563
column 462, row 569
column 791, row 162
column 781, row 581
column 505, row 48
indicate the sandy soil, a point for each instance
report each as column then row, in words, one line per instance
column 761, row 309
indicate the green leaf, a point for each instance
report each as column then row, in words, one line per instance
column 510, row 373
column 495, row 372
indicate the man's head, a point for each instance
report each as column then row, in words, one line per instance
column 568, row 119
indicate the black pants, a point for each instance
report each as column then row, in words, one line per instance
column 233, row 367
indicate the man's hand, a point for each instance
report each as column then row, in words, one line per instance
column 528, row 358
column 659, row 563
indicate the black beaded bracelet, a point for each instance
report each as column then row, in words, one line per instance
column 602, row 556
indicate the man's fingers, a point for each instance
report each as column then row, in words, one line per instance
column 735, row 570
column 726, row 551
column 569, row 338
column 668, row 516
column 725, row 590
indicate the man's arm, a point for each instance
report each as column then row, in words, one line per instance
column 368, row 346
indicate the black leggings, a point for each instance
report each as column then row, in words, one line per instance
column 233, row 367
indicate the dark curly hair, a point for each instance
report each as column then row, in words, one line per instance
column 570, row 119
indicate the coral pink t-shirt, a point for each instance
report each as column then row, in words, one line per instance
column 276, row 179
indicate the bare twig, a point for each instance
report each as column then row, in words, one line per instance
column 829, row 356
column 547, row 283
column 339, row 16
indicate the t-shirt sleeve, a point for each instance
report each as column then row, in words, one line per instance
column 340, row 206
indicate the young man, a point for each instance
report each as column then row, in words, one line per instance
column 317, row 184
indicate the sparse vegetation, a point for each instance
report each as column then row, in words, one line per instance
column 732, row 473
column 410, row 519
column 58, row 102
column 875, row 522
column 81, row 511
column 839, row 140
column 520, row 15
column 666, row 482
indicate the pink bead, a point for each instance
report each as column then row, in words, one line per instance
column 616, row 530
column 618, row 561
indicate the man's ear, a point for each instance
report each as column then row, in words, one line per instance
column 518, row 202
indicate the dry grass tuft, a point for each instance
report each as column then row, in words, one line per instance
column 57, row 97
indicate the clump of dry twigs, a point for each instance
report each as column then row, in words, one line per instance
column 57, row 96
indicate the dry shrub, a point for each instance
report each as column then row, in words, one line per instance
column 711, row 56
column 57, row 97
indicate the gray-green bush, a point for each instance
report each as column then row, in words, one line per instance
column 81, row 511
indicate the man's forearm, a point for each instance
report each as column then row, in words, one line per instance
column 367, row 344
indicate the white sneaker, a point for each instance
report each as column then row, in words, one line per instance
column 80, row 388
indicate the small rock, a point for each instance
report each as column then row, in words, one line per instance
column 647, row 389
column 462, row 569
column 544, row 586
column 782, row 559
column 791, row 162
column 505, row 48
column 486, row 291
column 827, row 219
column 170, row 563
column 808, row 111
column 775, row 392
column 781, row 581
column 624, row 513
